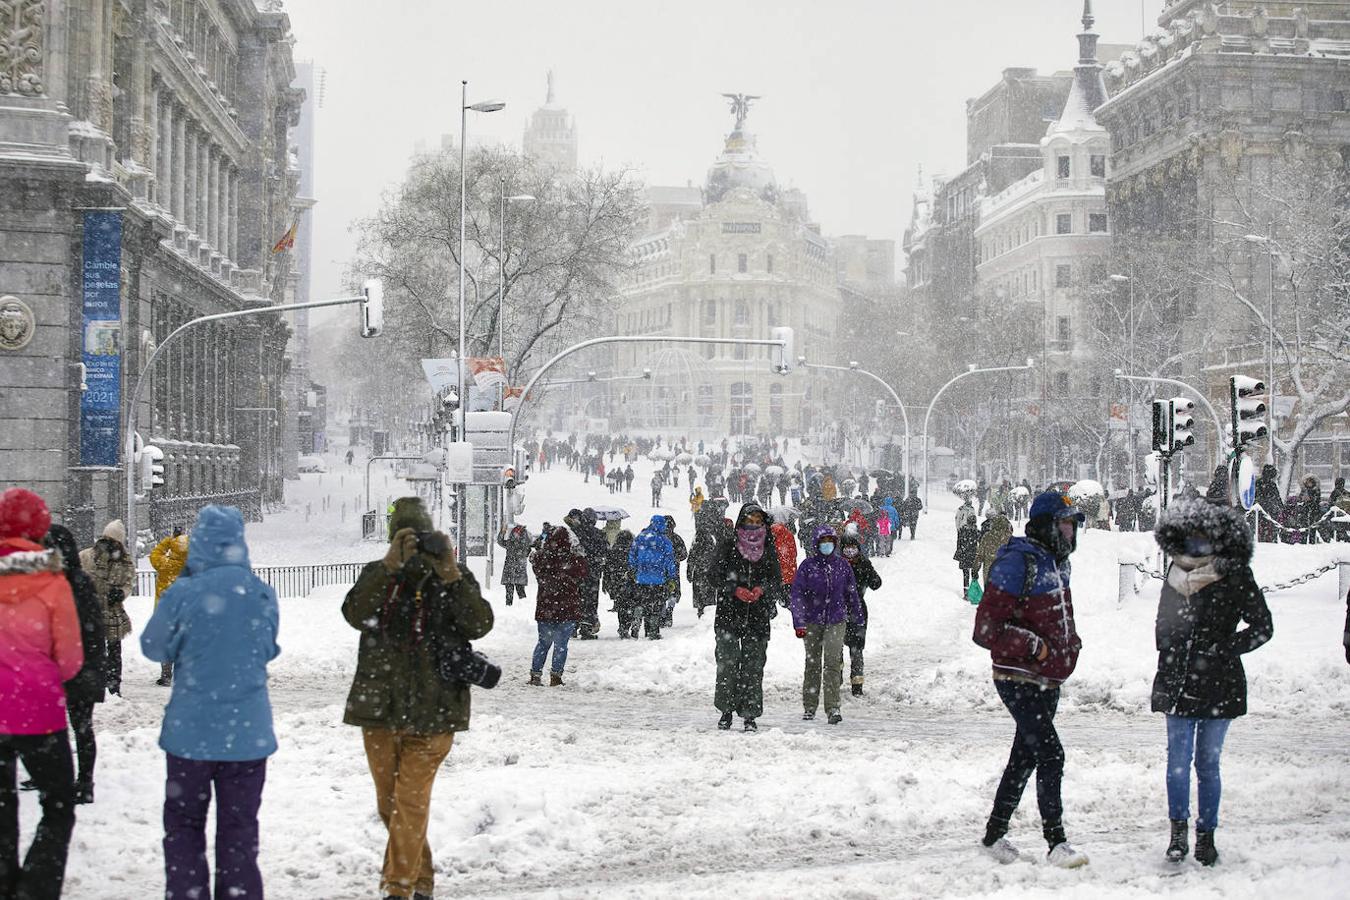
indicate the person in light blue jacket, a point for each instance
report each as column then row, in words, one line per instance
column 217, row 624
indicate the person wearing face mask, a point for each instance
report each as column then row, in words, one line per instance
column 109, row 564
column 1025, row 621
column 855, row 633
column 749, row 582
column 824, row 597
column 1201, row 686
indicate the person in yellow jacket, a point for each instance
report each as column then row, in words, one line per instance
column 168, row 559
column 696, row 500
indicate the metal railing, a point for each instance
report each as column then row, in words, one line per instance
column 287, row 581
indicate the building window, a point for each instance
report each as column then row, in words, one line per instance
column 742, row 407
column 1097, row 223
column 1062, row 167
column 709, row 350
column 1064, row 223
column 742, row 263
column 742, row 313
column 1063, row 276
column 712, row 263
column 669, row 314
column 1098, row 165
column 1061, row 384
column 768, row 263
column 709, row 312
column 1062, row 329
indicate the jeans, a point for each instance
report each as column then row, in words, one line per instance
column 1035, row 748
column 1203, row 740
column 403, row 767
column 824, row 661
column 555, row 635
column 187, row 800
column 740, row 674
column 82, row 723
column 47, row 759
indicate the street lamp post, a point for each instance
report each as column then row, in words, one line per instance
column 1269, row 243
column 1129, row 385
column 486, row 106
column 853, row 367
column 1030, row 364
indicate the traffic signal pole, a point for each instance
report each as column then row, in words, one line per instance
column 1199, row 395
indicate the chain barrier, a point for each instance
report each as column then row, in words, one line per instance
column 1331, row 515
column 1280, row 586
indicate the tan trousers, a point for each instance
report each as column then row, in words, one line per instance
column 824, row 661
column 404, row 767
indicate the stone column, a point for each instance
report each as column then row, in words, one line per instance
column 211, row 200
column 234, row 215
column 203, row 186
column 190, row 182
column 178, row 164
column 157, row 145
column 223, row 208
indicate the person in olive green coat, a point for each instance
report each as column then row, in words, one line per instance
column 402, row 604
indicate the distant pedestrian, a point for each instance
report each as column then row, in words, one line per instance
column 114, row 576
column 967, row 548
column 515, row 568
column 168, row 559
column 218, row 625
column 561, row 570
column 909, row 510
column 657, row 484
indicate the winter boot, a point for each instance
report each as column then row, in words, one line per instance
column 1180, row 845
column 724, row 723
column 536, row 679
column 1205, row 852
column 750, row 725
column 555, row 679
column 84, row 792
column 857, row 685
column 834, row 718
column 808, row 715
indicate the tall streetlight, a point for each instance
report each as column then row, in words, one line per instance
column 972, row 370
column 501, row 262
column 1129, row 385
column 485, row 106
column 1269, row 243
column 904, row 416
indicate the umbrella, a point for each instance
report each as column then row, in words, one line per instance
column 610, row 513
column 881, row 473
column 857, row 503
column 964, row 486
column 660, row 455
column 752, row 468
column 684, row 459
column 773, row 470
column 1021, row 491
column 702, row 459
column 783, row 513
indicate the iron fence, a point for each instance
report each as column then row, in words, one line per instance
column 287, row 581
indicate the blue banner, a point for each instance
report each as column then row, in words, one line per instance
column 101, row 404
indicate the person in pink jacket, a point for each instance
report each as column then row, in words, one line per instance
column 40, row 649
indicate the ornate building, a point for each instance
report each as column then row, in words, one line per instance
column 551, row 135
column 734, row 260
column 144, row 166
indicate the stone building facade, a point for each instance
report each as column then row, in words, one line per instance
column 733, row 260
column 144, row 166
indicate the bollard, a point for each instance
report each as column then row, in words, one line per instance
column 1125, row 587
column 1343, row 569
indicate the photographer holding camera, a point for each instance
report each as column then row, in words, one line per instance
column 417, row 609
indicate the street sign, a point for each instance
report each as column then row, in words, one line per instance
column 459, row 462
column 1245, row 482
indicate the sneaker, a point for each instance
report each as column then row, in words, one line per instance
column 808, row 715
column 1065, row 856
column 724, row 723
column 834, row 718
column 750, row 725
column 1001, row 851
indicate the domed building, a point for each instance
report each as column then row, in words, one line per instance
column 731, row 260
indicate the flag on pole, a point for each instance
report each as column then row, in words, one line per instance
column 512, row 397
column 287, row 240
column 487, row 371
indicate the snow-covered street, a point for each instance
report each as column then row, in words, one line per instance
column 618, row 784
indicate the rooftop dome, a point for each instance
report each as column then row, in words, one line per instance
column 739, row 166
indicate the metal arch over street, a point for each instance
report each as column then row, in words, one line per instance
column 853, row 367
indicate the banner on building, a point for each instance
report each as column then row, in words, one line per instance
column 101, row 282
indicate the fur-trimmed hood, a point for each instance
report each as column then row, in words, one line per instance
column 1223, row 526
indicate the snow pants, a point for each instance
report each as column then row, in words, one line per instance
column 404, row 767
column 824, row 646
column 46, row 757
column 740, row 674
column 1036, row 748
column 187, row 799
column 651, row 599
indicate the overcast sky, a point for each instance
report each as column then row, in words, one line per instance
column 856, row 93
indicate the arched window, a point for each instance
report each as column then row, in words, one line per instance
column 742, row 407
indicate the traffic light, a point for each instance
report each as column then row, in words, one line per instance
column 1247, row 409
column 785, row 353
column 1160, row 426
column 881, row 409
column 509, row 478
column 1181, row 423
column 152, row 467
column 372, row 308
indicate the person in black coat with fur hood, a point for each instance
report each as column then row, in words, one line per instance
column 1201, row 686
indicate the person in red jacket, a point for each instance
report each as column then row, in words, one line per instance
column 560, row 568
column 40, row 649
column 1025, row 621
column 785, row 542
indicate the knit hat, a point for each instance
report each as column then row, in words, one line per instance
column 1054, row 505
column 23, row 514
column 115, row 531
column 409, row 513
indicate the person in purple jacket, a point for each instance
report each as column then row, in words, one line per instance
column 824, row 594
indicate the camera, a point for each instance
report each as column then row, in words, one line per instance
column 465, row 665
column 432, row 543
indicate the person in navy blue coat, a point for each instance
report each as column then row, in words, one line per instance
column 217, row 624
column 652, row 559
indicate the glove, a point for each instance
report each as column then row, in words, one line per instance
column 115, row 595
column 801, row 632
column 745, row 595
column 446, row 567
column 401, row 549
